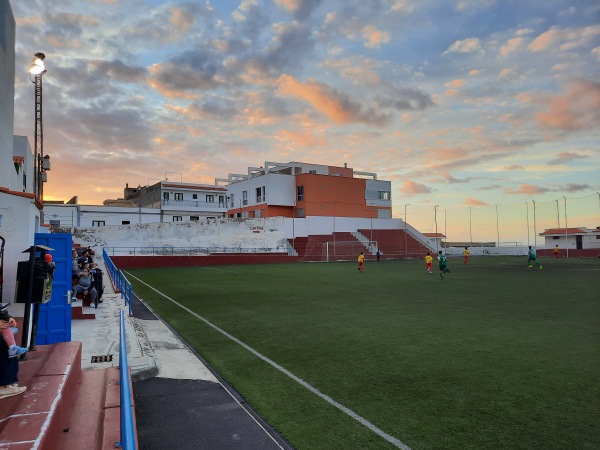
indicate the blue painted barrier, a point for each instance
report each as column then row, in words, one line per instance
column 121, row 283
column 127, row 427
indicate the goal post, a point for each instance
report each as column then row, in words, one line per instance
column 348, row 250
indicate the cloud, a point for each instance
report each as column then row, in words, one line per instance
column 528, row 189
column 405, row 6
column 578, row 109
column 306, row 139
column 575, row 187
column 507, row 74
column 118, row 71
column 510, row 46
column 475, row 202
column 513, row 167
column 185, row 75
column 360, row 70
column 374, row 37
column 469, row 5
column 565, row 157
column 564, row 38
column 465, row 46
column 337, row 106
column 411, row 187
column 301, row 9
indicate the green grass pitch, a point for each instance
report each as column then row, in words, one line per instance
column 496, row 355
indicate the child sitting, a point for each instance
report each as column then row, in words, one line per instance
column 8, row 329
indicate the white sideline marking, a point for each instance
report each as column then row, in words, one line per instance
column 391, row 439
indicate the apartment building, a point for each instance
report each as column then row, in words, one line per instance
column 299, row 190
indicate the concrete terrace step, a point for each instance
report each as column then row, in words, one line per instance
column 78, row 312
column 63, row 407
column 36, row 418
column 94, row 420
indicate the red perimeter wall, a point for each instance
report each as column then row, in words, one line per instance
column 143, row 262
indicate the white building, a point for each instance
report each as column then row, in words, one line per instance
column 581, row 238
column 165, row 201
column 19, row 207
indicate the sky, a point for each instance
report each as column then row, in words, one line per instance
column 466, row 104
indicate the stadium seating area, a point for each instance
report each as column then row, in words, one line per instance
column 393, row 244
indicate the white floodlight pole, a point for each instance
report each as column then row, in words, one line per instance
column 436, row 230
column 566, row 228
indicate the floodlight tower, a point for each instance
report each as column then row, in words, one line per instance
column 41, row 163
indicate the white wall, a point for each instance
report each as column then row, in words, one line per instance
column 86, row 215
column 19, row 221
column 265, row 234
column 22, row 148
column 570, row 242
column 8, row 175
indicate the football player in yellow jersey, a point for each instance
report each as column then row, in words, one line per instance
column 361, row 261
column 466, row 254
column 429, row 262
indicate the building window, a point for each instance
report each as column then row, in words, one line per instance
column 194, row 218
column 300, row 196
column 257, row 213
column 244, row 197
column 210, row 218
column 165, row 196
column 555, row 237
column 210, row 199
column 221, row 199
column 377, row 195
column 260, row 194
column 299, row 212
column 177, row 218
column 55, row 223
column 98, row 223
column 125, row 222
column 195, row 196
column 178, row 196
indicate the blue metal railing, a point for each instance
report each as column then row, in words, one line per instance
column 121, row 283
column 127, row 428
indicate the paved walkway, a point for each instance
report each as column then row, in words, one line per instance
column 179, row 402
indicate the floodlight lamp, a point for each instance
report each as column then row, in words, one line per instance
column 37, row 64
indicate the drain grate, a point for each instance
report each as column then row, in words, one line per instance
column 101, row 359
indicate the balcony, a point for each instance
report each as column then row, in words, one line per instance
column 193, row 205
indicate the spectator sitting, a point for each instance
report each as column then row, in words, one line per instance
column 84, row 259
column 74, row 264
column 98, row 281
column 8, row 330
column 84, row 285
column 9, row 368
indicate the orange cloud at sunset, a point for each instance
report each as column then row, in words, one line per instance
column 337, row 106
column 410, row 187
column 578, row 109
column 529, row 189
column 475, row 202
